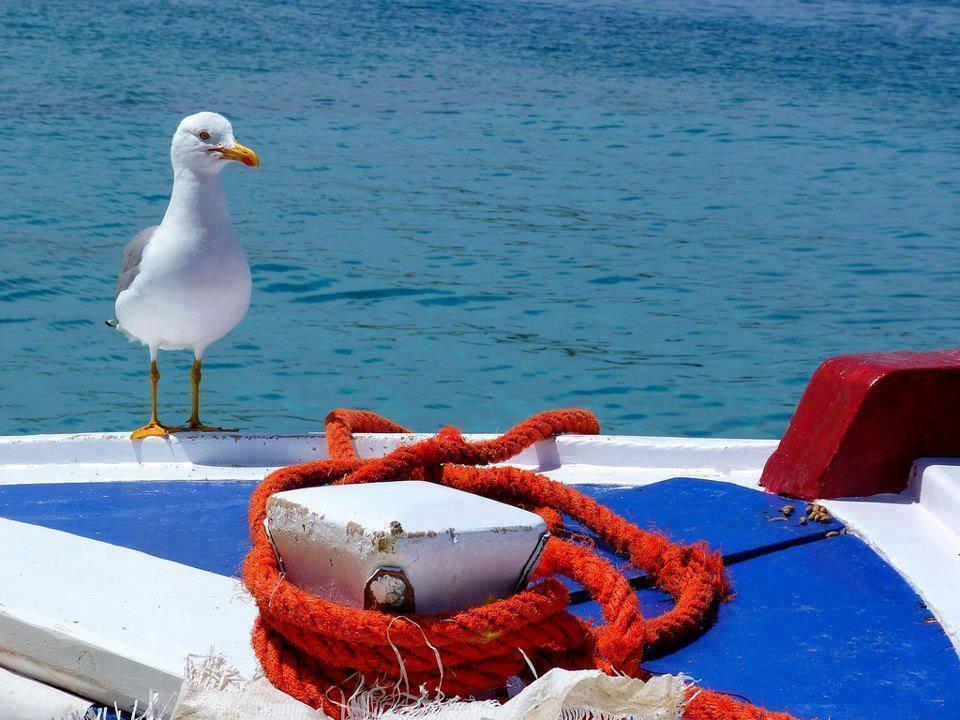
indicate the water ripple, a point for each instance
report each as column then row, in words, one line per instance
column 666, row 211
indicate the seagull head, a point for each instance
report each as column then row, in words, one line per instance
column 204, row 143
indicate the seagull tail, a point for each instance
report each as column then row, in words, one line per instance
column 114, row 323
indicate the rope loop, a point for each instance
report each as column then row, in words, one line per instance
column 308, row 645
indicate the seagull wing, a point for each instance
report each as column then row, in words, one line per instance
column 132, row 255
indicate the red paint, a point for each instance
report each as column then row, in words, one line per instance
column 862, row 422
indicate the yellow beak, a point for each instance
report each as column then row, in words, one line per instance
column 240, row 153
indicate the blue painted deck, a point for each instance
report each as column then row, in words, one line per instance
column 203, row 525
column 824, row 628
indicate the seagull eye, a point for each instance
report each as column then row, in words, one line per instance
column 204, row 135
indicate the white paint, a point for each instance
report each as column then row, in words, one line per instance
column 935, row 483
column 719, row 455
column 25, row 699
column 456, row 549
column 638, row 476
column 110, row 457
column 108, row 623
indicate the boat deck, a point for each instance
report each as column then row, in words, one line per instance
column 820, row 625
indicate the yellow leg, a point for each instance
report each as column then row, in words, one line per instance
column 154, row 428
column 194, row 424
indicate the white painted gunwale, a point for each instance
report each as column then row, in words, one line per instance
column 107, row 457
column 908, row 530
column 25, row 699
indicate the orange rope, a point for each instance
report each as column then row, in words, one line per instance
column 308, row 645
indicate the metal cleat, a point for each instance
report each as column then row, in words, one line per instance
column 403, row 547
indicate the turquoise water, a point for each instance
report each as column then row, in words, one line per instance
column 668, row 212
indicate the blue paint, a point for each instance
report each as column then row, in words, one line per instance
column 824, row 629
column 156, row 518
column 203, row 525
column 730, row 518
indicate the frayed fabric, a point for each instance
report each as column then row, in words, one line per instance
column 214, row 691
column 149, row 711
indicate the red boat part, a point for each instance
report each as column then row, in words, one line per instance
column 862, row 422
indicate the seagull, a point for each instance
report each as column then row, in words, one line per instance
column 185, row 283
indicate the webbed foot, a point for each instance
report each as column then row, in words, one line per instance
column 152, row 429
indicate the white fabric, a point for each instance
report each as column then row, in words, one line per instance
column 213, row 691
column 23, row 699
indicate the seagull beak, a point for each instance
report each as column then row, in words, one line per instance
column 240, row 153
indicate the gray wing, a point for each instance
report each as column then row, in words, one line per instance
column 132, row 255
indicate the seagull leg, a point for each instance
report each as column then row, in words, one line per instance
column 194, row 424
column 154, row 428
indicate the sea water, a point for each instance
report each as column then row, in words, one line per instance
column 667, row 212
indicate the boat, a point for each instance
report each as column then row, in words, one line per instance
column 121, row 559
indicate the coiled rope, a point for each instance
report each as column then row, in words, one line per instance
column 307, row 645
